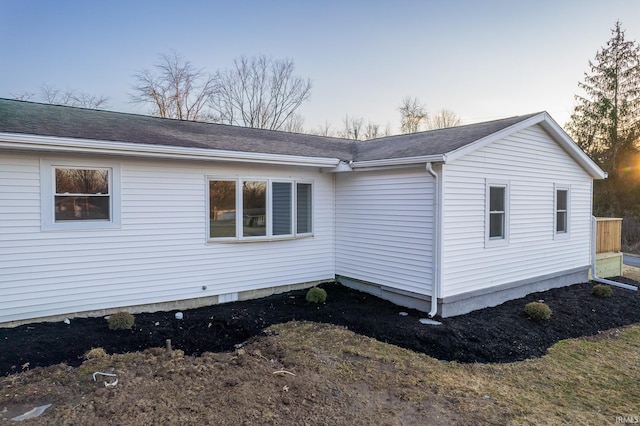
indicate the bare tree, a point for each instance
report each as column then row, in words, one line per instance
column 413, row 115
column 295, row 124
column 443, row 119
column 69, row 97
column 259, row 92
column 23, row 96
column 323, row 130
column 359, row 129
column 352, row 128
column 175, row 89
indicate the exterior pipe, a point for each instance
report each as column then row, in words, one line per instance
column 435, row 283
column 594, row 277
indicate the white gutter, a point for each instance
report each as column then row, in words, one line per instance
column 18, row 141
column 594, row 277
column 398, row 161
column 435, row 284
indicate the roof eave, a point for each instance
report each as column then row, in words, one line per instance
column 18, row 141
column 404, row 161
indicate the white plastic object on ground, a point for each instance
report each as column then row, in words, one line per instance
column 102, row 374
column 32, row 414
column 428, row 321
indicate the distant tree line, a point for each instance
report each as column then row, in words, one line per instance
column 259, row 91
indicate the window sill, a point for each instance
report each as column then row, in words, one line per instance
column 258, row 240
column 80, row 226
column 496, row 243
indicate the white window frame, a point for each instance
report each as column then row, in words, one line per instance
column 268, row 210
column 48, row 191
column 494, row 241
column 561, row 235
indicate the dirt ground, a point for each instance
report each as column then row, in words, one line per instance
column 219, row 351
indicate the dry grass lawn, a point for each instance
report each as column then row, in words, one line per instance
column 309, row 373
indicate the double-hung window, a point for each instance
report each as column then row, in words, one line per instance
column 561, row 211
column 78, row 195
column 255, row 209
column 497, row 212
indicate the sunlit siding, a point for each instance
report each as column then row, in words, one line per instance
column 384, row 228
column 532, row 163
column 160, row 252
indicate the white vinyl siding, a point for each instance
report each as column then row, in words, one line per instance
column 158, row 254
column 531, row 162
column 384, row 228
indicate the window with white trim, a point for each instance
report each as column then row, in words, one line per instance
column 561, row 210
column 79, row 195
column 258, row 209
column 497, row 212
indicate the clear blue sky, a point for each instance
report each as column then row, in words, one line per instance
column 481, row 59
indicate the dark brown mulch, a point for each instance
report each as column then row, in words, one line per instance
column 498, row 334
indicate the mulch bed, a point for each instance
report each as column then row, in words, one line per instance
column 499, row 334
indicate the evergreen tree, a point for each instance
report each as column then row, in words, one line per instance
column 606, row 123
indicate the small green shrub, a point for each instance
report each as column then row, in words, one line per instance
column 602, row 290
column 538, row 311
column 95, row 353
column 316, row 295
column 121, row 321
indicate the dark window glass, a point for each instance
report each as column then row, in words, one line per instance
column 561, row 210
column 254, row 208
column 281, row 207
column 222, row 208
column 82, row 194
column 496, row 212
column 303, row 207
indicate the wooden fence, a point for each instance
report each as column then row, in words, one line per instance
column 608, row 234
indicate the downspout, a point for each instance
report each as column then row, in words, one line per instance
column 594, row 277
column 435, row 283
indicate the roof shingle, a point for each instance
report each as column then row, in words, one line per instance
column 69, row 122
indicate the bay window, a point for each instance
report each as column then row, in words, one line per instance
column 257, row 209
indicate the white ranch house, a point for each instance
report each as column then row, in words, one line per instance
column 101, row 211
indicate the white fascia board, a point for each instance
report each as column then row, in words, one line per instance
column 557, row 133
column 406, row 161
column 18, row 141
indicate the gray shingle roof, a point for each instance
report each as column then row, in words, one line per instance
column 61, row 121
column 69, row 122
column 432, row 142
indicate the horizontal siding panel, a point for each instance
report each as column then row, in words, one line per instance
column 159, row 253
column 384, row 228
column 531, row 162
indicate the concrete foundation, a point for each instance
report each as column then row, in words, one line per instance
column 460, row 304
column 173, row 305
